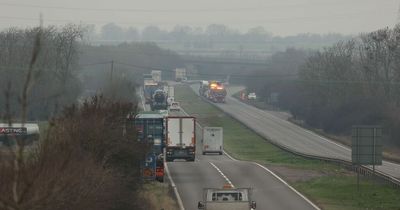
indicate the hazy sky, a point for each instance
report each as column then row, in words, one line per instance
column 281, row 17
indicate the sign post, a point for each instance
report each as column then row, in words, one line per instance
column 366, row 147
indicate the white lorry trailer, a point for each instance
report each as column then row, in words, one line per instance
column 181, row 138
column 156, row 75
column 227, row 199
column 180, row 74
column 213, row 140
column 171, row 95
column 28, row 133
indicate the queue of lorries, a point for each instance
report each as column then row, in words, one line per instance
column 173, row 137
column 170, row 136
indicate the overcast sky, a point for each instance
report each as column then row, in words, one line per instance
column 281, row 17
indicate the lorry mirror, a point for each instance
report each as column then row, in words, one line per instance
column 253, row 205
column 200, row 205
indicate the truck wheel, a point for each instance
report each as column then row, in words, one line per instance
column 220, row 153
column 204, row 153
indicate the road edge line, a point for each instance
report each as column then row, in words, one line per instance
column 269, row 171
column 229, row 156
column 288, row 185
column 288, row 122
column 222, row 174
column 178, row 197
column 173, row 185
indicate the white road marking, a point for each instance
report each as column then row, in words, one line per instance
column 173, row 185
column 285, row 183
column 178, row 197
column 230, row 157
column 222, row 174
column 266, row 169
column 290, row 123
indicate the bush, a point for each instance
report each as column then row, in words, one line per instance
column 85, row 162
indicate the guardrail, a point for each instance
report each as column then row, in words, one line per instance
column 363, row 170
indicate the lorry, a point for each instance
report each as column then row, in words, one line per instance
column 181, row 138
column 171, row 95
column 180, row 74
column 216, row 92
column 252, row 96
column 147, row 78
column 213, row 91
column 204, row 85
column 149, row 87
column 212, row 140
column 175, row 106
column 227, row 198
column 28, row 133
column 159, row 100
column 150, row 129
column 156, row 75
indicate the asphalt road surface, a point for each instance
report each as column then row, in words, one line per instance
column 275, row 127
column 213, row 171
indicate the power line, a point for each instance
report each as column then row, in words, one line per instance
column 241, row 21
column 154, row 10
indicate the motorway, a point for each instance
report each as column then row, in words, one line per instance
column 276, row 128
column 269, row 191
column 216, row 170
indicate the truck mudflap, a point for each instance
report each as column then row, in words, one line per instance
column 160, row 173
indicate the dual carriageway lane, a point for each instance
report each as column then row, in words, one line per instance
column 213, row 171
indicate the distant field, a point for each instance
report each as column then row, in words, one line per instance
column 328, row 185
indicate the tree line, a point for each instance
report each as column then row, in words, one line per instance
column 213, row 37
column 353, row 82
column 88, row 156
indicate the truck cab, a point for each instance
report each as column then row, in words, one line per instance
column 175, row 106
column 227, row 198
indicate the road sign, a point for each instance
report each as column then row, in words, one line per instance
column 366, row 147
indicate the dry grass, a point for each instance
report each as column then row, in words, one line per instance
column 158, row 196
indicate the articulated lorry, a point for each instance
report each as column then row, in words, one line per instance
column 227, row 198
column 28, row 133
column 213, row 140
column 149, row 87
column 213, row 91
column 156, row 75
column 171, row 95
column 180, row 74
column 159, row 100
column 150, row 129
column 181, row 138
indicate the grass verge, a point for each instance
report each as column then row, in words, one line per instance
column 328, row 185
column 159, row 196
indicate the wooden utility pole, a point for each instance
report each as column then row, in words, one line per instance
column 112, row 71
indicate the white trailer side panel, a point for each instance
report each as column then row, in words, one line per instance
column 173, row 133
column 188, row 135
column 171, row 91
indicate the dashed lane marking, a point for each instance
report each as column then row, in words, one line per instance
column 222, row 174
